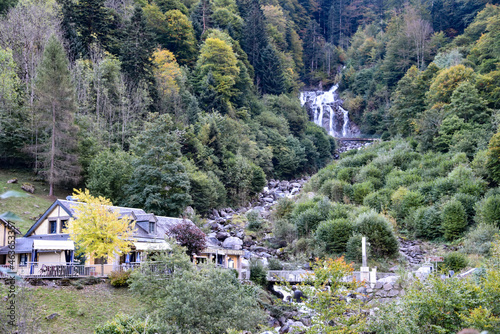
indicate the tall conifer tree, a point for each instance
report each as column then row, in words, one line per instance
column 55, row 108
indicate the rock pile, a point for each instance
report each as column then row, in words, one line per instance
column 412, row 251
column 228, row 233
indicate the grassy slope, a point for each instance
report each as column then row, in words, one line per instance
column 80, row 310
column 28, row 208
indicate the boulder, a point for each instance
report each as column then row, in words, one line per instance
column 233, row 243
column 223, row 235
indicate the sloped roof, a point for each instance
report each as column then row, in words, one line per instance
column 141, row 218
column 10, row 225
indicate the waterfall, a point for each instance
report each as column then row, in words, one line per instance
column 325, row 109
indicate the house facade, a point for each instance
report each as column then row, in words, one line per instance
column 45, row 250
column 8, row 231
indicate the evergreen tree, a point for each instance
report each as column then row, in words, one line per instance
column 159, row 182
column 56, row 108
column 255, row 38
column 92, row 22
column 270, row 72
column 137, row 49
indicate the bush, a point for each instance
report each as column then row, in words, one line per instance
column 489, row 211
column 480, row 239
column 258, row 273
column 454, row 219
column 427, row 223
column 377, row 229
column 334, row 190
column 126, row 324
column 468, row 202
column 347, row 174
column 254, row 220
column 307, row 221
column 284, row 208
column 119, row 278
column 361, row 190
column 284, row 230
column 404, row 202
column 274, row 264
column 455, row 261
column 332, row 235
column 379, row 200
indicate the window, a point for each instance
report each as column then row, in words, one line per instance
column 23, row 260
column 151, row 227
column 64, row 224
column 101, row 260
column 52, row 227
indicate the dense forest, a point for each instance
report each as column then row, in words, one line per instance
column 168, row 103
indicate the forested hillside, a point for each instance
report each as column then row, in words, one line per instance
column 168, row 103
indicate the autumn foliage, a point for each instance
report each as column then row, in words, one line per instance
column 189, row 236
column 96, row 229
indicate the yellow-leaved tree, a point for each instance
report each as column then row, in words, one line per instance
column 96, row 229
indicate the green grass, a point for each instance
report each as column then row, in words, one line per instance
column 31, row 207
column 80, row 311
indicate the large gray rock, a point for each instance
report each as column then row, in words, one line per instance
column 223, row 235
column 233, row 243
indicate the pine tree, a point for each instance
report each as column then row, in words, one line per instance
column 56, row 108
column 92, row 22
column 137, row 49
column 270, row 72
column 159, row 182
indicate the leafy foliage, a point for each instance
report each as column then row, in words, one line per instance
column 97, row 230
column 190, row 236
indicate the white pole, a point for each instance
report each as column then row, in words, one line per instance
column 363, row 250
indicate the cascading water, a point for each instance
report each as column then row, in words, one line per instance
column 325, row 109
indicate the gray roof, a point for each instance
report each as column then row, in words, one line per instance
column 25, row 245
column 10, row 225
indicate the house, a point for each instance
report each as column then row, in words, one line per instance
column 7, row 232
column 45, row 250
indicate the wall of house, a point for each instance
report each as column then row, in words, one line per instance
column 57, row 212
column 51, row 257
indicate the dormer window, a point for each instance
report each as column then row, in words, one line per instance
column 151, row 227
column 53, row 227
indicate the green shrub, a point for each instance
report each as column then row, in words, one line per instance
column 354, row 250
column 360, row 190
column 334, row 190
column 285, row 230
column 347, row 174
column 455, row 261
column 379, row 200
column 402, row 159
column 454, row 219
column 468, row 202
column 126, row 324
column 404, row 202
column 307, row 221
column 489, row 211
column 254, row 220
column 284, row 208
column 427, row 223
column 332, row 235
column 480, row 239
column 119, row 278
column 378, row 230
column 274, row 264
column 258, row 273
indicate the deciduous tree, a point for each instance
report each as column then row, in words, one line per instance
column 96, row 229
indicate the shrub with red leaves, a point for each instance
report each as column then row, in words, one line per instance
column 190, row 236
